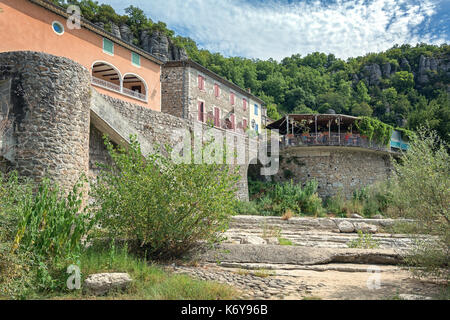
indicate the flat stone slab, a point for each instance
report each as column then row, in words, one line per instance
column 286, row 269
column 299, row 255
column 305, row 223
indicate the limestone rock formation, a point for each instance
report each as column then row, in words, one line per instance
column 253, row 240
column 156, row 42
column 102, row 283
column 125, row 33
column 115, row 30
column 372, row 73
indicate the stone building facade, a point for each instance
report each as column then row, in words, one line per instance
column 56, row 121
column 193, row 92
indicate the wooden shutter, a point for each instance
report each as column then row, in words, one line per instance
column 216, row 90
column 233, row 122
column 244, row 124
column 217, row 117
column 244, row 102
column 201, row 82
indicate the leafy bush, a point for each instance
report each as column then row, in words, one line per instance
column 279, row 198
column 364, row 241
column 246, row 208
column 51, row 224
column 39, row 228
column 164, row 207
column 423, row 193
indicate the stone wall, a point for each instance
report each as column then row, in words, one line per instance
column 50, row 102
column 335, row 168
column 210, row 100
column 173, row 91
column 155, row 128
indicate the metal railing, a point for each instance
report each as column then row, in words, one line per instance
column 116, row 88
column 335, row 139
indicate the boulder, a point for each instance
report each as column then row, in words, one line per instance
column 365, row 227
column 356, row 216
column 378, row 216
column 102, row 283
column 253, row 240
column 346, row 227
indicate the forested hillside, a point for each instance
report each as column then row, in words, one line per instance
column 405, row 86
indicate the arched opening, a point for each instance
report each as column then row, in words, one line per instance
column 106, row 76
column 134, row 86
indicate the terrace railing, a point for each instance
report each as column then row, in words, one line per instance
column 116, row 88
column 105, row 84
column 335, row 139
column 134, row 94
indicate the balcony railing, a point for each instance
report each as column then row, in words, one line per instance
column 105, row 84
column 133, row 94
column 116, row 88
column 335, row 139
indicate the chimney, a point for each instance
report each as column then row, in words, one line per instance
column 249, row 90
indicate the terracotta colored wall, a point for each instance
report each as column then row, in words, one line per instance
column 26, row 26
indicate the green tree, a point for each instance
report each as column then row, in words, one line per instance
column 423, row 181
column 362, row 93
column 403, row 81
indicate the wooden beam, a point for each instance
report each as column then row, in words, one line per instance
column 98, row 71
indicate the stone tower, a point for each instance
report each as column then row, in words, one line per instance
column 47, row 102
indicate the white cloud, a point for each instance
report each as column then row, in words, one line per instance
column 344, row 27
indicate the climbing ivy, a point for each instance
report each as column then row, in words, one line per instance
column 374, row 129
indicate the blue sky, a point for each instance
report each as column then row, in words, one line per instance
column 279, row 28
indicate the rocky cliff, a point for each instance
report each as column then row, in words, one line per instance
column 427, row 70
column 156, row 42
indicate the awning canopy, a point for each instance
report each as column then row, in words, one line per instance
column 298, row 123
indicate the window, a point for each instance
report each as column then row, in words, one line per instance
column 244, row 124
column 216, row 117
column 58, row 28
column 244, row 103
column 216, row 90
column 256, row 109
column 135, row 59
column 201, row 111
column 257, row 128
column 201, row 82
column 232, row 98
column 108, row 46
column 233, row 122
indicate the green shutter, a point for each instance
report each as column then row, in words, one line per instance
column 108, row 46
column 136, row 59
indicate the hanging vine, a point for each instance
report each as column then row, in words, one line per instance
column 374, row 130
